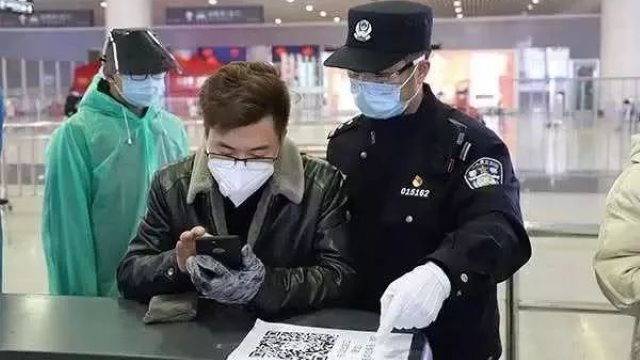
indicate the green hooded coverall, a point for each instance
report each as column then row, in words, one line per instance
column 99, row 167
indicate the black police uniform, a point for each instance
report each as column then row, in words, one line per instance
column 435, row 185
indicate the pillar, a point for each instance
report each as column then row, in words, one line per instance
column 129, row 14
column 619, row 53
column 620, row 48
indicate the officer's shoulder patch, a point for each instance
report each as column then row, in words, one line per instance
column 344, row 127
column 484, row 172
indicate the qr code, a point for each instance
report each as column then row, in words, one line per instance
column 284, row 345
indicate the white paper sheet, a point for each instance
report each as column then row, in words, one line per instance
column 272, row 341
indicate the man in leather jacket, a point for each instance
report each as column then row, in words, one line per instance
column 248, row 180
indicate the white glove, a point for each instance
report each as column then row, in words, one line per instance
column 385, row 350
column 414, row 300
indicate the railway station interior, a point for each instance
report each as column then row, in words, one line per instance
column 557, row 81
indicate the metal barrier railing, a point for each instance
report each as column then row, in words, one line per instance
column 514, row 305
column 549, row 124
column 22, row 159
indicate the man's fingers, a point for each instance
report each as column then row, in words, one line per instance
column 181, row 255
column 198, row 232
column 180, row 248
column 186, row 236
column 193, row 234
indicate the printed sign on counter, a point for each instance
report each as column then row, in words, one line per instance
column 274, row 341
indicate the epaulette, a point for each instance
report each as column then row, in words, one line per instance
column 344, row 127
column 461, row 146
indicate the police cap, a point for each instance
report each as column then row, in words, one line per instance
column 137, row 52
column 382, row 34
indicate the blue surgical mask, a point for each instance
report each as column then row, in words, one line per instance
column 380, row 100
column 143, row 93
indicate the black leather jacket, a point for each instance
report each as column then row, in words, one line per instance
column 298, row 231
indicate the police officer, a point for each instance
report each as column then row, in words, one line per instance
column 436, row 219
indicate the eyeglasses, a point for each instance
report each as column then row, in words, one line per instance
column 380, row 78
column 144, row 77
column 259, row 159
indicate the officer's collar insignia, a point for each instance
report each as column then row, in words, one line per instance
column 484, row 172
column 363, row 31
column 417, row 181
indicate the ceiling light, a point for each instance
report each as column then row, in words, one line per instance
column 309, row 8
column 323, row 13
column 336, row 19
column 530, row 7
column 460, row 16
column 103, row 4
column 213, row 2
column 290, row 1
column 458, row 10
column 535, row 2
column 457, row 3
column 278, row 21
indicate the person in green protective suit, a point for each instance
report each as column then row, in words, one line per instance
column 101, row 161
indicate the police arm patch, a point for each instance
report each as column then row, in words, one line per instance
column 484, row 172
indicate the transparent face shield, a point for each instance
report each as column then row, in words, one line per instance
column 110, row 41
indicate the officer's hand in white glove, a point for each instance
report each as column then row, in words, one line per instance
column 414, row 300
column 227, row 286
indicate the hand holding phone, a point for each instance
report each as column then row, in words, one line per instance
column 186, row 246
column 227, row 249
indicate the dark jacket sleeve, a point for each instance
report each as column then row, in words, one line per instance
column 490, row 243
column 149, row 267
column 330, row 280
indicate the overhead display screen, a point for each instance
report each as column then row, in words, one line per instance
column 215, row 15
column 17, row 6
column 53, row 18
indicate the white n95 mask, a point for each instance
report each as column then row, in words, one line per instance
column 237, row 180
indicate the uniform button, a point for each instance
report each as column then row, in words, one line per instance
column 464, row 278
column 171, row 272
column 459, row 293
column 490, row 358
column 408, row 219
column 363, row 155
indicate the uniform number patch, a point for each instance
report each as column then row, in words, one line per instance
column 484, row 172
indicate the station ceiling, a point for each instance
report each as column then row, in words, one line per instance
column 297, row 11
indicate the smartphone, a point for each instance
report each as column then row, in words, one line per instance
column 227, row 249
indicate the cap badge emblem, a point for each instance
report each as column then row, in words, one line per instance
column 363, row 31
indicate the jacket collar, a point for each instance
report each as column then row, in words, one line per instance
column 287, row 180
